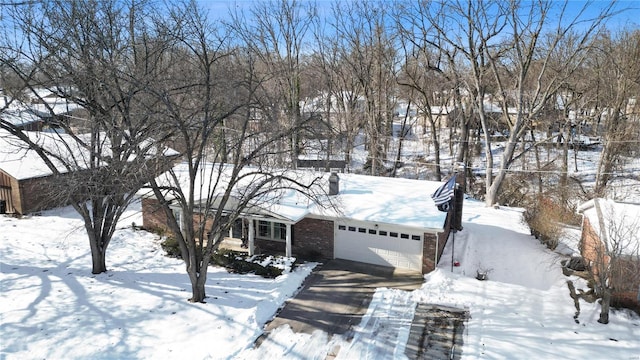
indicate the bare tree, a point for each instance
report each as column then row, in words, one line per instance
column 612, row 244
column 343, row 108
column 468, row 29
column 369, row 51
column 535, row 81
column 102, row 56
column 230, row 139
column 515, row 69
column 276, row 33
column 425, row 72
column 617, row 73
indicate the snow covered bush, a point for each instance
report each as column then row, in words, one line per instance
column 545, row 218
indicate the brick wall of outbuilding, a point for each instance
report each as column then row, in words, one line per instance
column 590, row 245
column 42, row 193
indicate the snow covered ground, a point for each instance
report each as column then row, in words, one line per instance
column 523, row 311
column 52, row 307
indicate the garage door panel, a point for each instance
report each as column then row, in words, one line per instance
column 370, row 247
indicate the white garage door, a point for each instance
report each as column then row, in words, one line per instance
column 388, row 247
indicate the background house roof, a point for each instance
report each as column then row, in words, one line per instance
column 21, row 163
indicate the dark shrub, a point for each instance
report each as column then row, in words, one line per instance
column 170, row 246
column 235, row 262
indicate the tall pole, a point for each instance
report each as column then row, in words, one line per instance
column 453, row 246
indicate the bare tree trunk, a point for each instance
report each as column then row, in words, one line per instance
column 565, row 162
column 538, row 164
column 604, row 308
column 436, row 145
column 98, row 253
column 403, row 133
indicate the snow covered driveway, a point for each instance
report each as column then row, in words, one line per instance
column 336, row 296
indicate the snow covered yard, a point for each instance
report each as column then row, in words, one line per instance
column 52, row 307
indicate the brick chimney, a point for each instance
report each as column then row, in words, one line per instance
column 334, row 184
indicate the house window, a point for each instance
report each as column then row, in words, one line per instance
column 236, row 230
column 372, row 231
column 382, row 233
column 393, row 234
column 362, row 230
column 272, row 230
column 342, row 227
column 264, row 228
column 352, row 228
column 415, row 237
column 279, row 231
column 404, row 236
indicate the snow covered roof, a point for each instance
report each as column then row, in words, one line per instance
column 621, row 219
column 339, row 102
column 20, row 117
column 21, row 163
column 383, row 200
column 57, row 107
column 46, row 105
column 387, row 200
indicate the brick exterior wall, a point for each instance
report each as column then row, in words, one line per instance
column 153, row 217
column 313, row 239
column 39, row 194
column 429, row 253
column 270, row 246
column 34, row 194
column 590, row 244
column 429, row 248
column 627, row 283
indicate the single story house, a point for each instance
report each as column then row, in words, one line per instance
column 41, row 109
column 24, row 177
column 612, row 229
column 378, row 220
column 27, row 184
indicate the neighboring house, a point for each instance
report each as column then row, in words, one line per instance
column 320, row 162
column 38, row 112
column 23, row 119
column 377, row 220
column 336, row 111
column 611, row 229
column 24, row 177
column 26, row 182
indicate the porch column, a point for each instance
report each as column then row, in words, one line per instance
column 288, row 240
column 251, row 237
